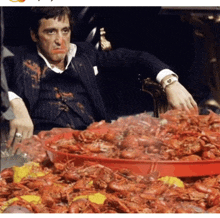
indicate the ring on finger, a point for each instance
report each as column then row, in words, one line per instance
column 18, row 135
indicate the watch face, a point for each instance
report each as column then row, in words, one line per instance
column 169, row 80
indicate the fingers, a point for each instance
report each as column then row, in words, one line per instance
column 186, row 108
column 18, row 133
column 193, row 102
column 11, row 136
column 186, row 104
column 180, row 98
column 16, row 139
column 191, row 105
column 13, row 142
column 25, row 134
column 30, row 132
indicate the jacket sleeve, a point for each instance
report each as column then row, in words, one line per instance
column 14, row 75
column 6, row 111
column 139, row 60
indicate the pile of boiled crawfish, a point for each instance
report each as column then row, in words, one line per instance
column 65, row 188
column 177, row 135
column 94, row 188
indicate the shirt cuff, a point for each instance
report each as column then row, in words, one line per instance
column 163, row 73
column 12, row 95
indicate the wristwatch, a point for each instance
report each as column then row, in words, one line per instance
column 169, row 81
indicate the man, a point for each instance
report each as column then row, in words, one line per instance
column 54, row 84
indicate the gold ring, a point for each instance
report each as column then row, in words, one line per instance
column 18, row 135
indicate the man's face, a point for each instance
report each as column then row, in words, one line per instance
column 53, row 39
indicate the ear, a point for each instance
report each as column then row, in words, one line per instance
column 33, row 36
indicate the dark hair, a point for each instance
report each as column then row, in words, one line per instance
column 38, row 13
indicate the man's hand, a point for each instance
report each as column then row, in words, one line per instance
column 179, row 98
column 22, row 126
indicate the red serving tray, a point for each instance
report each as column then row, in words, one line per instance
column 141, row 167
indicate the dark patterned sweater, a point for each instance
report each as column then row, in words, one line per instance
column 63, row 101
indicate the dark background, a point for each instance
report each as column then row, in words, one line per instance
column 138, row 28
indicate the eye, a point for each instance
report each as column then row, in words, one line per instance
column 51, row 31
column 66, row 30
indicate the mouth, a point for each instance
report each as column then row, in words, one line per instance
column 59, row 51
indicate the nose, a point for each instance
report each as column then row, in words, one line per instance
column 59, row 38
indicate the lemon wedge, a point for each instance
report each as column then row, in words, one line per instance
column 172, row 181
column 97, row 198
column 30, row 169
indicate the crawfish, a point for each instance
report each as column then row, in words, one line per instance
column 103, row 179
column 87, row 136
column 71, row 176
column 213, row 199
column 34, row 184
column 59, row 209
column 39, row 182
column 113, row 135
column 189, row 146
column 156, row 188
column 203, row 188
column 190, row 194
column 134, row 207
column 57, row 192
column 125, row 186
column 116, row 203
column 39, row 208
column 5, row 192
column 100, row 146
column 69, row 145
column 210, row 155
column 130, row 153
column 47, row 200
column 160, row 206
column 19, row 190
column 147, row 141
column 78, row 206
column 211, row 181
column 82, row 184
column 7, row 174
column 151, row 177
column 92, row 170
column 64, row 167
column 130, row 141
column 192, row 157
